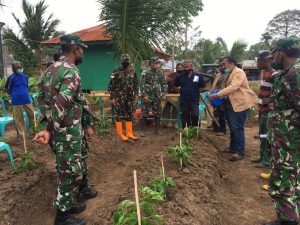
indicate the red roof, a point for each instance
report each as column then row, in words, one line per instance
column 92, row 34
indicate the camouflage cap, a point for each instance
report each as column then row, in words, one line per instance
column 154, row 60
column 71, row 39
column 125, row 57
column 285, row 44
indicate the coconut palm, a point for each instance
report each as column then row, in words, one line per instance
column 238, row 50
column 135, row 26
column 35, row 28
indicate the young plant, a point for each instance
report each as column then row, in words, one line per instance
column 189, row 133
column 37, row 127
column 126, row 213
column 26, row 163
column 102, row 125
column 161, row 184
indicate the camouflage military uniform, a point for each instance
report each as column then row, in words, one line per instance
column 284, row 136
column 154, row 86
column 67, row 113
column 123, row 87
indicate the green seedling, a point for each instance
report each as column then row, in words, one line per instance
column 189, row 133
column 178, row 153
column 161, row 184
column 25, row 163
column 126, row 213
column 102, row 125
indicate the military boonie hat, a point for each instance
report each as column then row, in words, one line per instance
column 154, row 60
column 125, row 57
column 71, row 39
column 287, row 43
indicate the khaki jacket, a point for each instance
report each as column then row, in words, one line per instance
column 238, row 91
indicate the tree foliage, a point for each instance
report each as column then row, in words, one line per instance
column 238, row 50
column 136, row 25
column 284, row 24
column 35, row 28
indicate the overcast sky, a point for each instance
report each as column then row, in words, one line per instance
column 230, row 19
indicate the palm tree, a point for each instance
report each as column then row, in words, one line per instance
column 135, row 26
column 35, row 28
column 238, row 50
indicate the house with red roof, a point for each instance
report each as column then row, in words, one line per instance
column 99, row 60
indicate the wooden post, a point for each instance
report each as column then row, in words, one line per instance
column 137, row 201
column 180, row 143
column 162, row 167
column 24, row 142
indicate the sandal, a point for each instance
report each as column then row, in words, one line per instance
column 228, row 150
column 236, row 157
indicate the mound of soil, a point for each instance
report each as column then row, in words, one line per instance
column 204, row 193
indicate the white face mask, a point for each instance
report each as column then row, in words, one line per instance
column 20, row 71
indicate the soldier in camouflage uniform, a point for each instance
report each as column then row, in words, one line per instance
column 67, row 113
column 123, row 89
column 153, row 90
column 284, row 133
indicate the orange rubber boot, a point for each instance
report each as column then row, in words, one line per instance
column 120, row 131
column 129, row 132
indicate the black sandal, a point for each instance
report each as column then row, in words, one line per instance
column 228, row 150
column 236, row 157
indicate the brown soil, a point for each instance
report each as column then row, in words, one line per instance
column 209, row 191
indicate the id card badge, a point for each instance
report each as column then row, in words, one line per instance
column 196, row 79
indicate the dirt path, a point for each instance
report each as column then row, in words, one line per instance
column 210, row 191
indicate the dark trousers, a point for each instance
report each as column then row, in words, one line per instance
column 221, row 119
column 189, row 114
column 236, row 122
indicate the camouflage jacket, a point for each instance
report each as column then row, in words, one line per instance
column 62, row 102
column 123, row 84
column 153, row 84
column 285, row 116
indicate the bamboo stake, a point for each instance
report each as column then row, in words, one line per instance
column 137, row 201
column 180, row 143
column 24, row 141
column 162, row 166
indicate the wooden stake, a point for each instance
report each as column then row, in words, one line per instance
column 24, row 141
column 162, row 166
column 180, row 142
column 137, row 201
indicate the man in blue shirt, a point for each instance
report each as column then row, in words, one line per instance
column 190, row 84
column 17, row 86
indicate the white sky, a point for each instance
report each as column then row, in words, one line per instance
column 230, row 19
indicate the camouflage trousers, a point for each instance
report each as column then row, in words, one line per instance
column 265, row 146
column 153, row 106
column 124, row 109
column 285, row 176
column 69, row 165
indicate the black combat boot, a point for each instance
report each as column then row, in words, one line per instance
column 77, row 208
column 84, row 192
column 157, row 125
column 143, row 125
column 65, row 218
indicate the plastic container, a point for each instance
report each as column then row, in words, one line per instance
column 218, row 101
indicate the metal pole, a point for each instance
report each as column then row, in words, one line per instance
column 1, row 52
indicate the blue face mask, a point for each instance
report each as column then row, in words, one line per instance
column 20, row 71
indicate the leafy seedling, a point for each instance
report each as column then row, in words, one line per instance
column 189, row 133
column 161, row 184
column 126, row 213
column 25, row 163
column 102, row 125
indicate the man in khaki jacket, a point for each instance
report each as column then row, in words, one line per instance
column 238, row 99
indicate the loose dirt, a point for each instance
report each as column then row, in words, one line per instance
column 209, row 191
